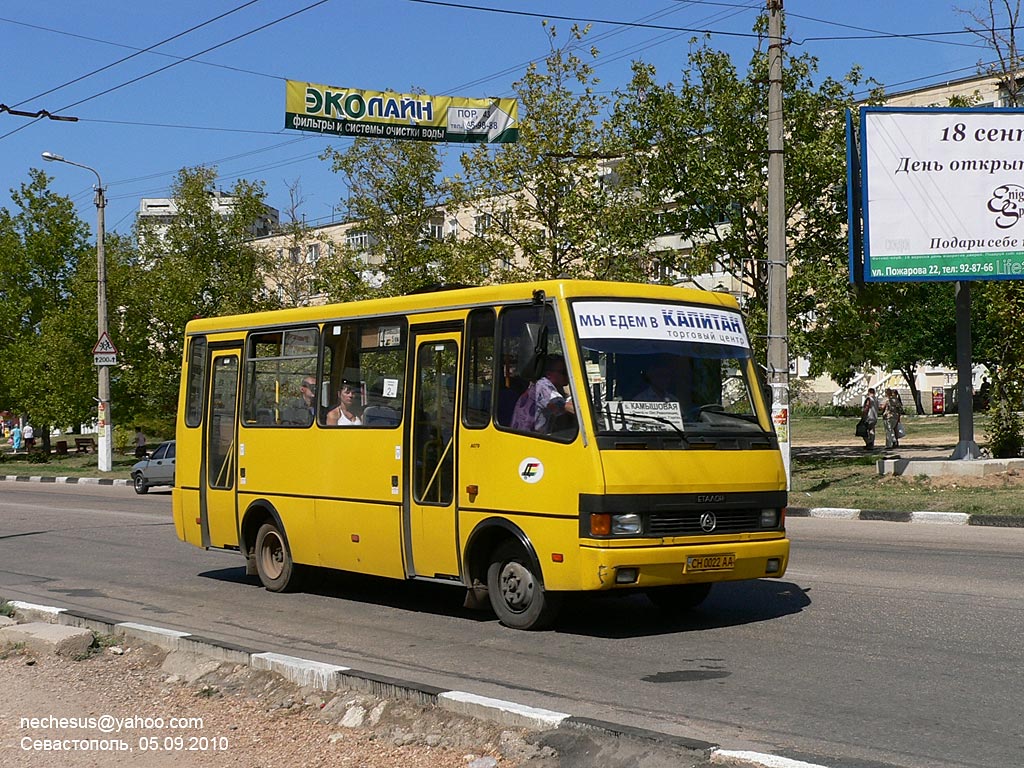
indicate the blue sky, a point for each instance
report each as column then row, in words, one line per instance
column 225, row 107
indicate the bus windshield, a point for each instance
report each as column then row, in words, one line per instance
column 665, row 367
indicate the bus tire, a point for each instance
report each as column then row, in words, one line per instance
column 679, row 597
column 515, row 591
column 274, row 563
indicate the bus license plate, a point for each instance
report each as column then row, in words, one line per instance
column 711, row 563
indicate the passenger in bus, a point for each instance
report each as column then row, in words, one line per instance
column 302, row 411
column 541, row 406
column 344, row 415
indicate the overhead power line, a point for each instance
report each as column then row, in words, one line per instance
column 137, row 53
column 180, row 61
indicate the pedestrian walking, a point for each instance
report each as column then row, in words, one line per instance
column 140, row 443
column 869, row 415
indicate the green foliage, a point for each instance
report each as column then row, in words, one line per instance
column 827, row 409
column 703, row 144
column 38, row 457
column 1005, row 438
column 297, row 275
column 203, row 264
column 47, row 321
column 394, row 188
column 6, row 608
column 553, row 199
column 1005, row 430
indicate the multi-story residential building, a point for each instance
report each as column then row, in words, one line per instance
column 160, row 212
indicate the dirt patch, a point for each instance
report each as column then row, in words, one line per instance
column 230, row 715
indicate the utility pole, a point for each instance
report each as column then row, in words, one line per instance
column 778, row 330
column 105, row 424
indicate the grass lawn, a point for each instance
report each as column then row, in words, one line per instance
column 70, row 465
column 831, row 469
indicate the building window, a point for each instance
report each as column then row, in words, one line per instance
column 434, row 229
column 481, row 223
column 358, row 241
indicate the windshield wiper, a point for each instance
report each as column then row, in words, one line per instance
column 747, row 417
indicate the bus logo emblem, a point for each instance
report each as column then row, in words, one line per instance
column 708, row 522
column 531, row 470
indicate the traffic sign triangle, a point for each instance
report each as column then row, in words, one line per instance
column 104, row 346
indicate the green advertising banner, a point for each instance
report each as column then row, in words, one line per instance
column 389, row 115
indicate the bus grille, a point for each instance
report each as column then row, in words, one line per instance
column 687, row 523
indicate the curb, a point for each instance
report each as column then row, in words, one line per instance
column 940, row 518
column 65, row 480
column 329, row 677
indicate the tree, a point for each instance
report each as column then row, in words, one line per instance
column 700, row 157
column 47, row 328
column 201, row 265
column 916, row 323
column 395, row 201
column 995, row 320
column 296, row 272
column 997, row 26
column 552, row 200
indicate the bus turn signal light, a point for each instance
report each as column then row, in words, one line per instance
column 600, row 525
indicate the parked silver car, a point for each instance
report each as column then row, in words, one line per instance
column 156, row 469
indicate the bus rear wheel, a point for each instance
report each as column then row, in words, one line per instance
column 516, row 592
column 679, row 597
column 274, row 563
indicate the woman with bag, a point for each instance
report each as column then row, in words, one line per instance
column 869, row 417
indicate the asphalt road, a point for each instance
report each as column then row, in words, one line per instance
column 886, row 644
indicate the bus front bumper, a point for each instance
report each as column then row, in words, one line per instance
column 625, row 567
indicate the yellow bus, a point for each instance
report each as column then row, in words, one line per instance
column 521, row 441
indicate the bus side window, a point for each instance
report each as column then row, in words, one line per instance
column 371, row 354
column 196, row 378
column 478, row 379
column 529, row 340
column 277, row 363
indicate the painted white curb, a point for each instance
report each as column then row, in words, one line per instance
column 759, row 758
column 519, row 714
column 300, row 671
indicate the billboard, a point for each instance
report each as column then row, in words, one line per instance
column 942, row 193
column 389, row 115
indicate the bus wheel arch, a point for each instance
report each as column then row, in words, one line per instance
column 500, row 555
column 264, row 542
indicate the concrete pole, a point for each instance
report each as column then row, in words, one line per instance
column 106, row 421
column 778, row 333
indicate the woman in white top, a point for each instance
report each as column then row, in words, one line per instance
column 343, row 415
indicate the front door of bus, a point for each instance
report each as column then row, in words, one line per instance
column 217, row 485
column 431, row 535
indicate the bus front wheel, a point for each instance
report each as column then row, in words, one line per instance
column 274, row 563
column 515, row 591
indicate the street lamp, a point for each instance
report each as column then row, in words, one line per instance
column 106, row 424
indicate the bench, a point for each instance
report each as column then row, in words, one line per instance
column 85, row 445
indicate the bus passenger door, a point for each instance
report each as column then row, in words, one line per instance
column 430, row 532
column 217, row 505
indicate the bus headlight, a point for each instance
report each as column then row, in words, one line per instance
column 626, row 525
column 769, row 518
